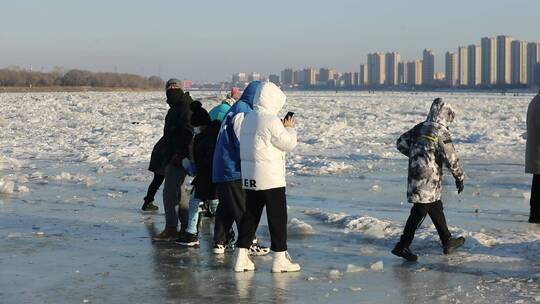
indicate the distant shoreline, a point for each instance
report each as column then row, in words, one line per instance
column 54, row 89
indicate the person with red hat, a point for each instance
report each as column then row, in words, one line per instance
column 219, row 111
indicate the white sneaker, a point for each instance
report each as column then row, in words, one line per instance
column 219, row 249
column 243, row 263
column 283, row 263
column 257, row 250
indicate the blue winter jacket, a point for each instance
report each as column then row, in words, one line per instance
column 227, row 153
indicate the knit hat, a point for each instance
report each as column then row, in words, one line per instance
column 235, row 93
column 199, row 116
column 173, row 83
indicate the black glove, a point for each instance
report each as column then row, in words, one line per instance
column 459, row 186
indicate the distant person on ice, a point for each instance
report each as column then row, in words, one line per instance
column 429, row 146
column 177, row 136
column 226, row 174
column 264, row 141
column 532, row 154
column 204, row 190
column 219, row 111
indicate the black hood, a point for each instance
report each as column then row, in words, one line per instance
column 177, row 97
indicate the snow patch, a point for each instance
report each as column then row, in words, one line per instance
column 74, row 178
column 299, row 227
column 497, row 246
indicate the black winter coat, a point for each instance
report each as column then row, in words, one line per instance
column 156, row 159
column 203, row 154
column 177, row 133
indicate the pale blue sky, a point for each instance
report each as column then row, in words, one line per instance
column 208, row 40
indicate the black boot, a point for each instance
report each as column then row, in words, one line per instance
column 188, row 239
column 148, row 206
column 452, row 244
column 534, row 219
column 404, row 252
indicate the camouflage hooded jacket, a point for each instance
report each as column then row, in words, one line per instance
column 428, row 145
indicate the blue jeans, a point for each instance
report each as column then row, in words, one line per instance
column 173, row 196
column 194, row 212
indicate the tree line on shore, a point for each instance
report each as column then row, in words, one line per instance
column 15, row 77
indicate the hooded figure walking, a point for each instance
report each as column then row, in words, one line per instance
column 429, row 146
column 532, row 153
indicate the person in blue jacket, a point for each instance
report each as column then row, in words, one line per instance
column 219, row 111
column 226, row 174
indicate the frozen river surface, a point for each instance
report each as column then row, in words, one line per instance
column 73, row 174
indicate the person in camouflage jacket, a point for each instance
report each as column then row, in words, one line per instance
column 429, row 146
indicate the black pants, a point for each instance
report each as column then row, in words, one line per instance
column 231, row 208
column 535, row 197
column 275, row 201
column 154, row 187
column 417, row 216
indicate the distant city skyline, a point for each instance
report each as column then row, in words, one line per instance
column 495, row 62
column 207, row 41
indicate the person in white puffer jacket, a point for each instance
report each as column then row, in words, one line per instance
column 264, row 140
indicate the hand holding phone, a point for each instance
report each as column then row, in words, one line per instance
column 289, row 115
column 288, row 121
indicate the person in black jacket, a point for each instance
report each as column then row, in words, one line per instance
column 203, row 189
column 177, row 137
column 156, row 166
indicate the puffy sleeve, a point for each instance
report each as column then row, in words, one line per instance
column 450, row 156
column 404, row 143
column 282, row 138
column 237, row 124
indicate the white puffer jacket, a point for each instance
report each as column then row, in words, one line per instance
column 264, row 141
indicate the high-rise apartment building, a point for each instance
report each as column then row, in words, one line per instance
column 428, row 67
column 239, row 77
column 402, row 73
column 463, row 66
column 519, row 62
column 274, row 79
column 533, row 56
column 363, row 75
column 299, row 77
column 451, row 68
column 504, row 60
column 254, row 77
column 414, row 72
column 392, row 61
column 474, row 65
column 326, row 74
column 489, row 61
column 287, row 77
column 349, row 80
column 310, row 76
column 376, row 69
